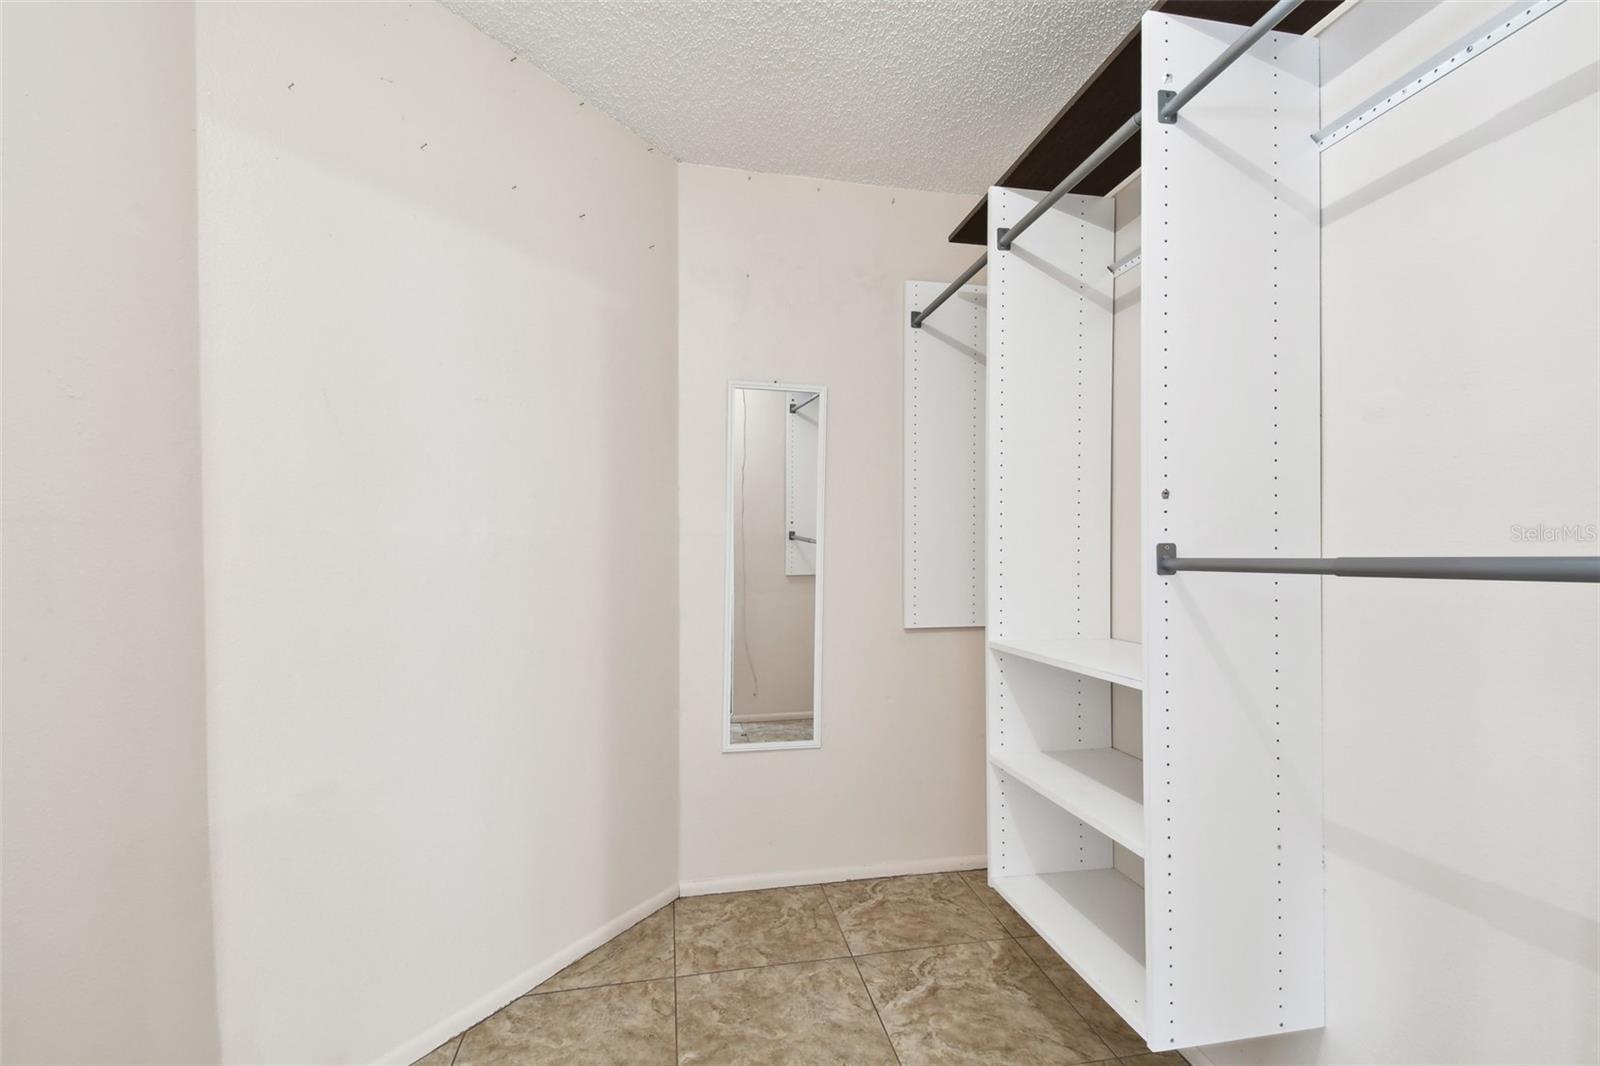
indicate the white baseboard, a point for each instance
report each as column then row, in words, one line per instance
column 746, row 882
column 471, row 1015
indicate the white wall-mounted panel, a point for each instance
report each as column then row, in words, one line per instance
column 943, row 467
column 1230, row 377
column 801, row 447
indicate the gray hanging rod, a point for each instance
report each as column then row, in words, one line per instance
column 804, row 540
column 1083, row 170
column 794, row 408
column 1170, row 104
column 950, row 290
column 1010, row 233
column 1456, row 568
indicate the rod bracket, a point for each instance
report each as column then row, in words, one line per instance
column 1162, row 96
column 916, row 320
column 1165, row 553
column 1000, row 240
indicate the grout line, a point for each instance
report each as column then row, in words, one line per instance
column 879, row 1014
column 993, row 913
column 856, row 962
column 588, row 988
column 1036, row 965
column 759, row 966
column 1070, row 1005
column 931, row 947
column 827, row 958
column 456, row 1054
column 677, row 1056
column 1093, row 1028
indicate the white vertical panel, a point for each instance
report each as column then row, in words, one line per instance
column 1049, row 513
column 800, row 482
column 943, row 458
column 1230, row 370
column 1050, row 415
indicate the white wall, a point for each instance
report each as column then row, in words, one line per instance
column 438, row 317
column 774, row 612
column 107, row 914
column 1461, row 397
column 800, row 280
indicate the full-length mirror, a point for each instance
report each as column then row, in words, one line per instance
column 775, row 543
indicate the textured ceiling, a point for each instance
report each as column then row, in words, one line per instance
column 922, row 94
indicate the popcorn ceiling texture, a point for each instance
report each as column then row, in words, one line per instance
column 938, row 94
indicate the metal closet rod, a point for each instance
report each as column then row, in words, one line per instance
column 1444, row 567
column 1084, row 169
column 1003, row 242
column 805, row 540
column 1170, row 104
column 794, row 408
column 950, row 290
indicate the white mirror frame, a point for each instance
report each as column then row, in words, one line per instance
column 822, row 568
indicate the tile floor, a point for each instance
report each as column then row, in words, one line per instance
column 914, row 971
column 768, row 732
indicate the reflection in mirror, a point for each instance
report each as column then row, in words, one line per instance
column 774, row 566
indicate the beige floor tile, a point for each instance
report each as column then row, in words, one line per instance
column 770, row 732
column 641, row 953
column 1009, row 919
column 804, row 1014
column 976, row 1004
column 616, row 1025
column 1163, row 1058
column 443, row 1055
column 895, row 913
column 739, row 929
column 1117, row 1034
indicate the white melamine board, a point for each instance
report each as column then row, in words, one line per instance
column 1118, row 661
column 1035, row 835
column 1094, row 919
column 1049, row 526
column 1050, row 419
column 943, row 458
column 1230, row 373
column 800, row 482
column 1101, row 786
column 1040, row 707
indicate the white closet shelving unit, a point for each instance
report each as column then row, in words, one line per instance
column 1184, row 886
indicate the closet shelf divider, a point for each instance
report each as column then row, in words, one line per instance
column 1120, row 662
column 1103, row 787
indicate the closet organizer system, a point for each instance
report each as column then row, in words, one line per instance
column 1223, row 939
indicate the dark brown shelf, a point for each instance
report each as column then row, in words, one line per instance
column 1104, row 102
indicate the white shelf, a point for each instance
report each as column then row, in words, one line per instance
column 1094, row 919
column 1101, row 786
column 1120, row 662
